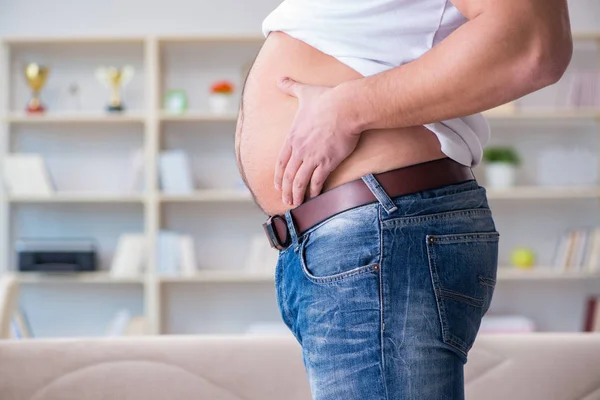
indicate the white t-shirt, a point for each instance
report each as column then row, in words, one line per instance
column 372, row 36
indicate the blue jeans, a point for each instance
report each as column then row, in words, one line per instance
column 386, row 299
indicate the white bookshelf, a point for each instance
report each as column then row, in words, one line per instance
column 208, row 195
column 164, row 63
column 76, row 198
column 101, row 278
column 75, row 117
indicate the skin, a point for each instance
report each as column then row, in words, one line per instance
column 506, row 50
column 267, row 115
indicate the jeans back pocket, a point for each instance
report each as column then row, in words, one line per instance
column 463, row 272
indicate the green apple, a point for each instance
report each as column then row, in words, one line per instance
column 522, row 258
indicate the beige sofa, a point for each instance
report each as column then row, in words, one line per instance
column 533, row 367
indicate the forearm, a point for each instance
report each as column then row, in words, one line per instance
column 483, row 64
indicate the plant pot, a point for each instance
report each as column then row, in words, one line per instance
column 500, row 175
column 220, row 103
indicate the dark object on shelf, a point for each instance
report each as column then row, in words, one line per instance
column 56, row 255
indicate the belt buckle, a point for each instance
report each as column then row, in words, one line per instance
column 271, row 232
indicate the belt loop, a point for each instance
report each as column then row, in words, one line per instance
column 379, row 193
column 291, row 227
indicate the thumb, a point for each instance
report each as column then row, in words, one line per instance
column 289, row 86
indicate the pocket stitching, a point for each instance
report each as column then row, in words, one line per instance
column 435, row 281
column 447, row 336
column 333, row 278
column 434, row 217
column 472, row 301
column 338, row 277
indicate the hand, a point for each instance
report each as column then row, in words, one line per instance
column 321, row 137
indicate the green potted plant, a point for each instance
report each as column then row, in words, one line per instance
column 501, row 166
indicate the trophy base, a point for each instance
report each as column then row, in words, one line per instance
column 115, row 109
column 37, row 109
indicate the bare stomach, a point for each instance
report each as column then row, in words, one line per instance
column 268, row 114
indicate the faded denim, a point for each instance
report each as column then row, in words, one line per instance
column 386, row 299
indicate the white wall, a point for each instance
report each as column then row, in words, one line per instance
column 131, row 17
column 134, row 17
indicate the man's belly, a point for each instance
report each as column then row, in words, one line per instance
column 268, row 114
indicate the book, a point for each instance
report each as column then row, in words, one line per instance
column 580, row 248
column 128, row 260
column 560, row 255
column 26, row 175
column 592, row 315
column 262, row 257
column 175, row 172
column 593, row 260
column 133, row 179
column 169, row 252
column 187, row 256
column 118, row 324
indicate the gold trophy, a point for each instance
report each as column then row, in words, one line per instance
column 36, row 76
column 115, row 79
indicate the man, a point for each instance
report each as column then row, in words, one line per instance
column 358, row 128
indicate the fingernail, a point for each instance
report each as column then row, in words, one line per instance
column 277, row 186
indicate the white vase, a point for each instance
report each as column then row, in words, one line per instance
column 220, row 103
column 500, row 175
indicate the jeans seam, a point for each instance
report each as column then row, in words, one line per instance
column 463, row 298
column 382, row 307
column 435, row 285
column 286, row 309
column 435, row 217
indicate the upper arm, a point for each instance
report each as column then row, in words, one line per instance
column 533, row 10
column 540, row 29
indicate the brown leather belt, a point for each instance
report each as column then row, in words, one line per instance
column 397, row 182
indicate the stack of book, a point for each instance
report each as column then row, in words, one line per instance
column 176, row 254
column 578, row 250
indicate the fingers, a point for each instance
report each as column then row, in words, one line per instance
column 303, row 177
column 317, row 181
column 289, row 86
column 281, row 164
column 288, row 179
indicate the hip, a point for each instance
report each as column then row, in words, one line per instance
column 397, row 296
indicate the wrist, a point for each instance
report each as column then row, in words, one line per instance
column 349, row 108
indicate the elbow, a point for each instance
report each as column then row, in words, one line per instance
column 548, row 62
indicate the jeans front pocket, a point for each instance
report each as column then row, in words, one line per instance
column 344, row 247
column 463, row 272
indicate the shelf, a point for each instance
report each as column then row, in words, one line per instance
column 543, row 114
column 69, row 40
column 542, row 273
column 541, row 192
column 66, row 118
column 219, row 276
column 197, row 116
column 212, row 39
column 504, row 274
column 77, row 198
column 586, row 35
column 82, row 277
column 209, row 195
